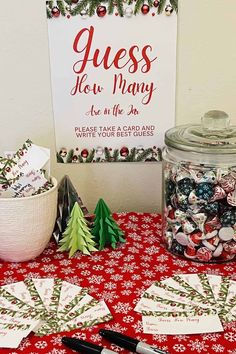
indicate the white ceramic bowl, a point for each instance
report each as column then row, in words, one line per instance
column 26, row 225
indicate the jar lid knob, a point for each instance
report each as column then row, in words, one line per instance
column 215, row 120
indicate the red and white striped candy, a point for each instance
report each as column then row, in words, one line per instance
column 219, row 193
column 227, row 183
column 231, row 198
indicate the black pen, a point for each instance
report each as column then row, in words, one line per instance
column 85, row 347
column 129, row 343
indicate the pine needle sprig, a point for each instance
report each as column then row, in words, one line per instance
column 161, row 6
column 144, row 155
column 61, row 7
column 69, row 2
column 50, row 4
column 174, row 4
column 116, row 155
column 90, row 156
column 78, row 8
column 49, row 15
column 80, row 158
column 111, row 7
column 92, row 7
column 150, row 2
column 120, row 8
column 107, row 154
column 59, row 158
column 70, row 156
column 138, row 5
column 131, row 156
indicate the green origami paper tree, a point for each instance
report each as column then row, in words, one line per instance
column 105, row 229
column 77, row 236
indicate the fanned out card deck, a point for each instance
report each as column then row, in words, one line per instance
column 188, row 304
column 46, row 306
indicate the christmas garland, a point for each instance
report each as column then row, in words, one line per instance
column 109, row 155
column 120, row 8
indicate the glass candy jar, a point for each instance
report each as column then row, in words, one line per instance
column 199, row 194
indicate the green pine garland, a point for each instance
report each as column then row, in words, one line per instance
column 67, row 7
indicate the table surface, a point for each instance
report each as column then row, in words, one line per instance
column 119, row 277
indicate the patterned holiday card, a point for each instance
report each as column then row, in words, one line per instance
column 113, row 84
column 186, row 297
column 45, row 306
column 204, row 321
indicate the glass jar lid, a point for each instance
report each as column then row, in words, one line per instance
column 214, row 135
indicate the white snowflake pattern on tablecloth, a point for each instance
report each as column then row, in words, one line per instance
column 198, row 345
column 42, row 344
column 218, row 348
column 65, row 262
column 128, row 284
column 68, row 270
column 161, row 268
column 79, row 335
column 129, row 258
column 119, row 277
column 56, row 340
column 122, row 307
column 9, row 280
column 110, row 285
column 146, row 234
column 83, row 265
column 134, row 236
column 180, row 262
column 115, row 254
column 148, row 273
column 135, row 276
column 212, row 337
column 85, row 273
column 131, row 226
column 111, row 263
column 57, row 351
column 126, row 292
column 160, row 337
column 133, row 218
column 128, row 319
column 109, row 296
column 98, row 267
column 138, row 326
column 179, row 348
column 96, row 279
column 49, row 268
column 230, row 336
column 152, row 250
column 129, row 268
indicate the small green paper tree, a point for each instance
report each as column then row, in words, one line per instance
column 105, row 229
column 77, row 236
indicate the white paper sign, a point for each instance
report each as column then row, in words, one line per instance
column 113, row 85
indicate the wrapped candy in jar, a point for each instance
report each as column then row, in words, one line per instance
column 199, row 198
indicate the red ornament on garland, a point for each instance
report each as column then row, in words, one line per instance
column 101, row 11
column 55, row 12
column 145, row 9
column 74, row 1
column 124, row 151
column 156, row 3
column 84, row 153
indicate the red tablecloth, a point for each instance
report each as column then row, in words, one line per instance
column 119, row 277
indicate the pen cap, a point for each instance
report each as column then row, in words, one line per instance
column 120, row 339
column 81, row 346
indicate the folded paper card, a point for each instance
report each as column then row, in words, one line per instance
column 25, row 172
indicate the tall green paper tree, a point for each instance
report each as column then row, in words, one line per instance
column 105, row 229
column 77, row 236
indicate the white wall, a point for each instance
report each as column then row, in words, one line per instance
column 206, row 79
